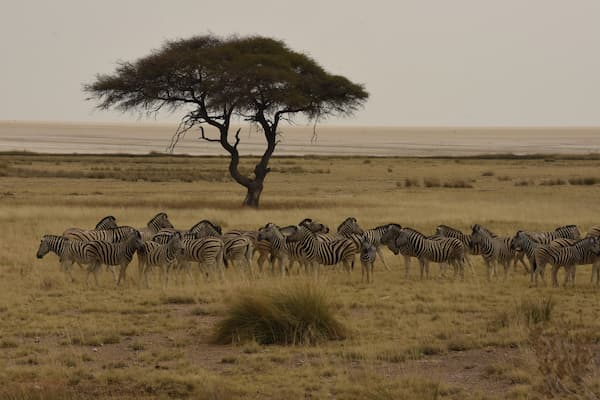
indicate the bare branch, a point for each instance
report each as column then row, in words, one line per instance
column 203, row 136
column 237, row 138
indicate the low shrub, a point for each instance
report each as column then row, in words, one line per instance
column 298, row 314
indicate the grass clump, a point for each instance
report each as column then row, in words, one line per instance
column 298, row 314
column 458, row 184
column 409, row 182
column 533, row 312
column 431, row 182
column 488, row 173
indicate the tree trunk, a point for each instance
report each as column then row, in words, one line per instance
column 253, row 195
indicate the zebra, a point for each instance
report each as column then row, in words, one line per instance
column 208, row 252
column 109, row 253
column 113, row 235
column 322, row 252
column 368, row 252
column 494, row 249
column 350, row 229
column 466, row 240
column 164, row 256
column 594, row 231
column 280, row 248
column 427, row 249
column 237, row 250
column 156, row 223
column 68, row 251
column 108, row 222
column 584, row 251
column 562, row 232
column 524, row 242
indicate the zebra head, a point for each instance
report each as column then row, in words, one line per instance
column 518, row 241
column 349, row 226
column 267, row 232
column 44, row 247
column 390, row 236
column 594, row 244
column 134, row 240
column 175, row 244
column 313, row 226
column 160, row 221
column 206, row 228
column 478, row 235
column 295, row 233
column 108, row 222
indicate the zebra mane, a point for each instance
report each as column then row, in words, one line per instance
column 345, row 222
column 205, row 221
column 449, row 228
column 107, row 218
column 157, row 216
column 385, row 226
column 414, row 231
column 484, row 230
column 306, row 221
column 565, row 227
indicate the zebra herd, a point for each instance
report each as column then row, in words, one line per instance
column 311, row 245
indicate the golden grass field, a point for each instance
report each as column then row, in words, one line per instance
column 410, row 339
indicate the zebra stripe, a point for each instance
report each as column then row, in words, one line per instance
column 584, row 251
column 208, row 252
column 114, row 235
column 108, row 222
column 494, row 249
column 163, row 256
column 68, row 251
column 108, row 253
column 368, row 253
column 436, row 249
column 323, row 252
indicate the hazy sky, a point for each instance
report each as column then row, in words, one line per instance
column 444, row 62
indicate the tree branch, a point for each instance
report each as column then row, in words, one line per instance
column 203, row 136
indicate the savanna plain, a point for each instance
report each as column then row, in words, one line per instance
column 407, row 338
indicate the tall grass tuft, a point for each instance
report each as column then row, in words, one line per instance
column 533, row 312
column 295, row 314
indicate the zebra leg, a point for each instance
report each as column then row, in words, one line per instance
column 380, row 254
column 363, row 271
column 406, row 266
column 371, row 270
column 122, row 271
column 555, row 275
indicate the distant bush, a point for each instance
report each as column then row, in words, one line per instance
column 553, row 182
column 297, row 314
column 523, row 183
column 584, row 181
column 504, row 178
column 458, row 184
column 488, row 173
column 409, row 182
column 431, row 182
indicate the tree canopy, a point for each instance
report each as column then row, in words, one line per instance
column 215, row 79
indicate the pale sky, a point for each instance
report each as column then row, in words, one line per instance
column 424, row 62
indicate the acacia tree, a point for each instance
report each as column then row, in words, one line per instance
column 216, row 80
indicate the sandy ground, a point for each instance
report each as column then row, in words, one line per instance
column 376, row 141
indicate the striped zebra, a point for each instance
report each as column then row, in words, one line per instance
column 562, row 232
column 156, row 223
column 494, row 249
column 350, row 229
column 68, row 251
column 465, row 239
column 524, row 242
column 238, row 250
column 108, row 253
column 594, row 231
column 584, row 251
column 164, row 256
column 280, row 248
column 318, row 252
column 113, row 235
column 368, row 252
column 108, row 222
column 208, row 252
column 437, row 249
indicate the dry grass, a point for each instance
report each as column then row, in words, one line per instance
column 409, row 339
